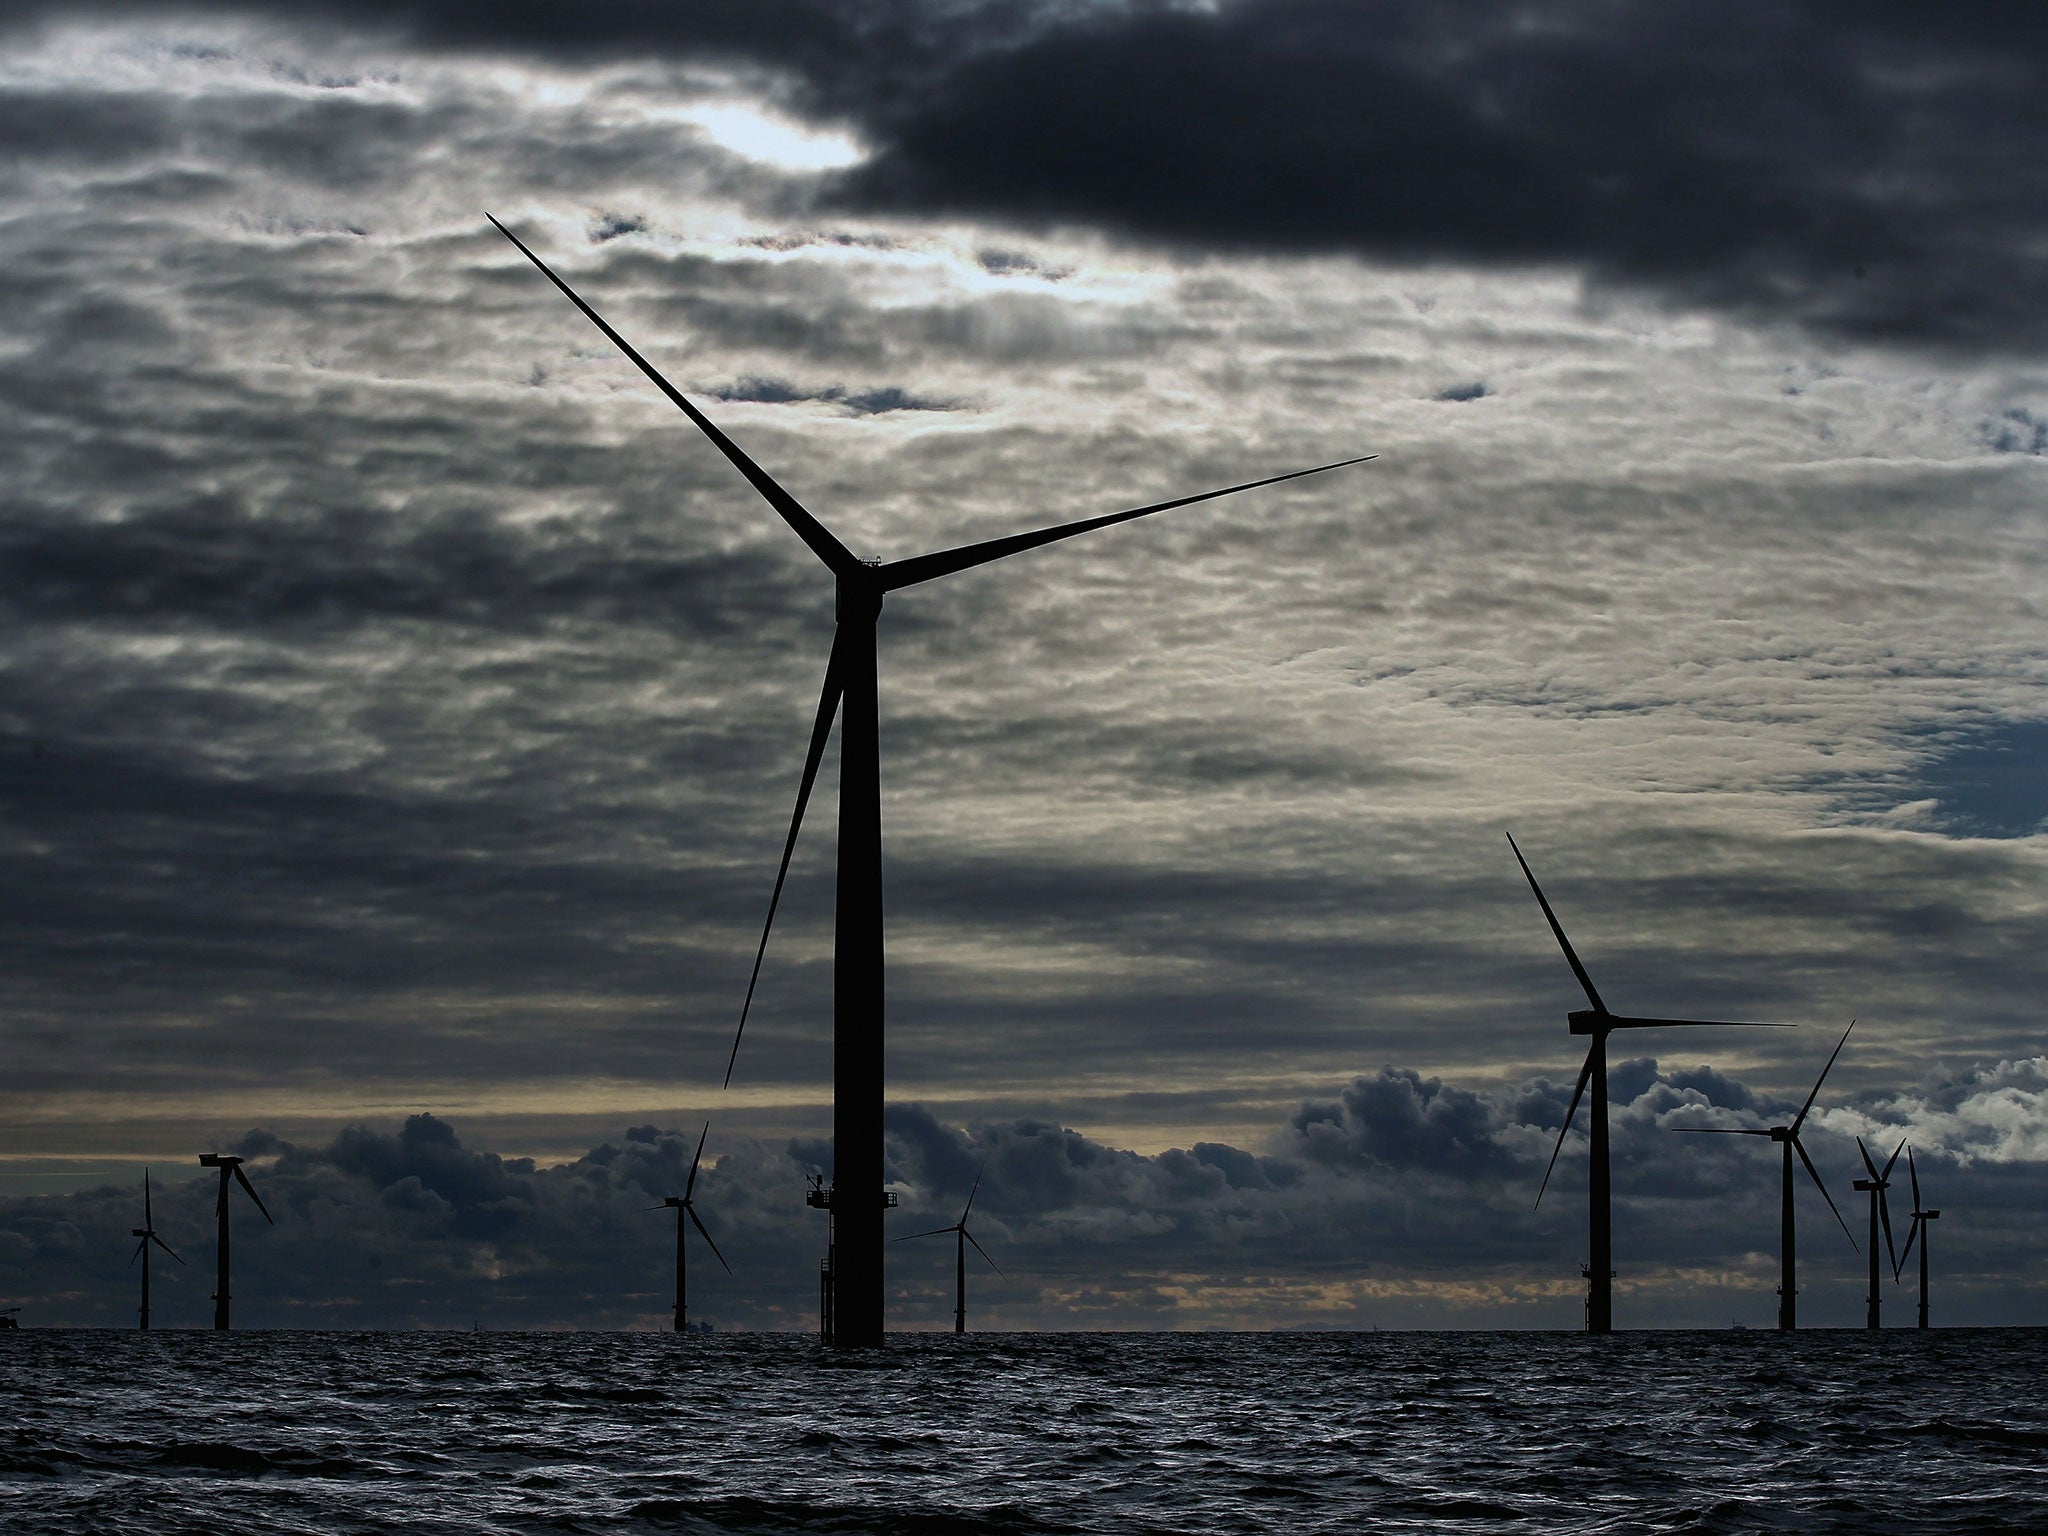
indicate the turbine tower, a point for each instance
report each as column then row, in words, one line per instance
column 1598, row 1023
column 1917, row 1228
column 1787, row 1136
column 850, row 688
column 962, row 1237
column 146, row 1234
column 1880, row 1210
column 229, row 1166
column 681, row 1205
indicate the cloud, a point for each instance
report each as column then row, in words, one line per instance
column 1399, row 1120
column 1399, row 1185
column 1871, row 174
column 402, row 704
column 866, row 402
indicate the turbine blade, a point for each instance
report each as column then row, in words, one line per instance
column 1914, row 1174
column 1564, row 943
column 972, row 1192
column 1905, row 1253
column 1813, row 1173
column 1801, row 1119
column 1884, row 1216
column 1715, row 1130
column 140, row 1249
column 821, row 728
column 898, row 574
column 243, row 1179
column 701, row 1232
column 148, row 1222
column 1630, row 1021
column 1585, row 1075
column 167, row 1248
column 691, row 1187
column 1892, row 1161
column 935, row 1231
column 992, row 1264
column 1875, row 1176
column 814, row 533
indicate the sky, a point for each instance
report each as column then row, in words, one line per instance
column 402, row 704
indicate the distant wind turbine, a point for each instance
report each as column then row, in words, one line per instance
column 1597, row 1022
column 1787, row 1136
column 146, row 1234
column 1880, row 1210
column 962, row 1237
column 228, row 1166
column 851, row 685
column 1918, row 1228
column 681, row 1205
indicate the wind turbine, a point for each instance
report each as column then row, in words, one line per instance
column 1880, row 1209
column 681, row 1205
column 228, row 1166
column 850, row 689
column 1597, row 1023
column 962, row 1237
column 146, row 1233
column 1917, row 1229
column 1787, row 1136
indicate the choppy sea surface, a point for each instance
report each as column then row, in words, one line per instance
column 166, row 1433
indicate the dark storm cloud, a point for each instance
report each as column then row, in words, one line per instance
column 864, row 402
column 1402, row 1120
column 1874, row 171
column 1854, row 168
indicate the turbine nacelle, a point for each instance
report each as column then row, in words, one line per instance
column 229, row 1164
column 857, row 595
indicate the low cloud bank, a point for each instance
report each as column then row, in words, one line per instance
column 1396, row 1186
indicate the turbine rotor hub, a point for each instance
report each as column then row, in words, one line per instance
column 858, row 598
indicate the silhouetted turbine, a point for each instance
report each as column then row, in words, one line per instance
column 1880, row 1209
column 228, row 1166
column 962, row 1237
column 1597, row 1022
column 851, row 684
column 682, row 1207
column 1787, row 1136
column 1917, row 1228
column 146, row 1233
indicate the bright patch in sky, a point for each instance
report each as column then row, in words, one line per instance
column 776, row 140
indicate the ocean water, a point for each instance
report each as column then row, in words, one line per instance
column 168, row 1432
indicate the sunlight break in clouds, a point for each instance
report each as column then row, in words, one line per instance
column 762, row 135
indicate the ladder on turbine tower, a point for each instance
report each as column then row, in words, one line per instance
column 1586, row 1271
column 819, row 1198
